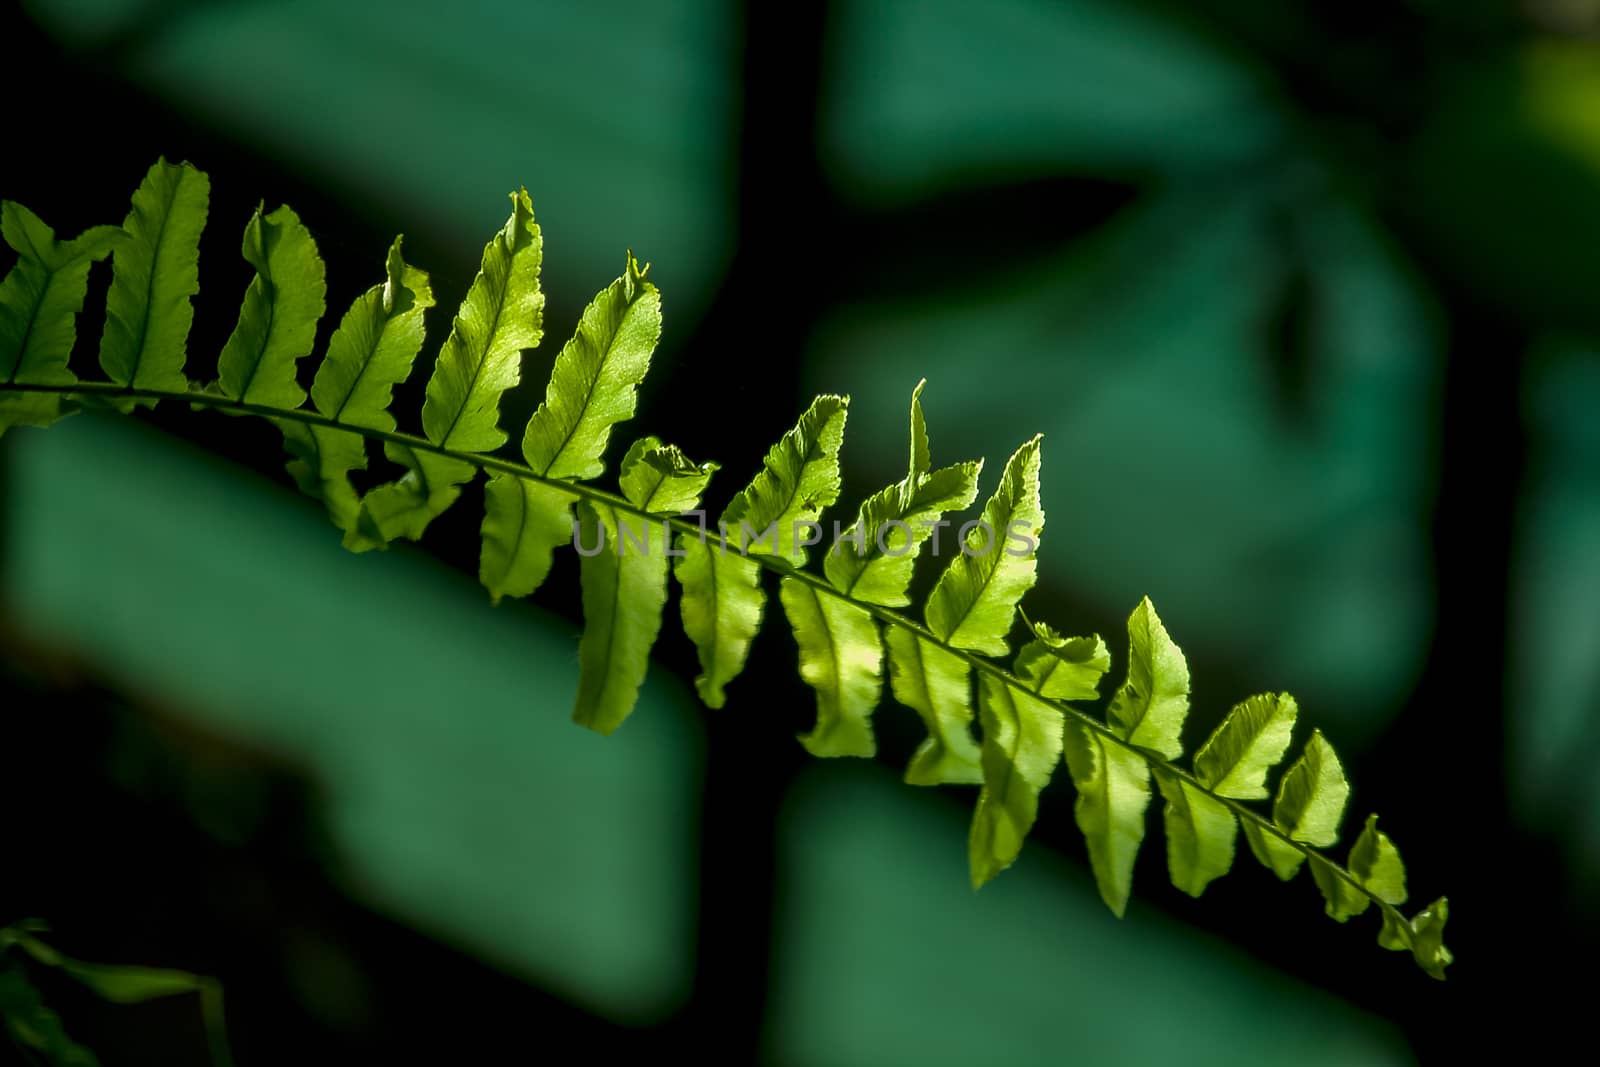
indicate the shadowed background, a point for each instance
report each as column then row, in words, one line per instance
column 1303, row 298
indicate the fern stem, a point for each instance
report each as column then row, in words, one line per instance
column 772, row 563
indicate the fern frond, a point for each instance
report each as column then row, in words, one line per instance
column 844, row 619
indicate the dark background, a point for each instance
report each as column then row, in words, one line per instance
column 1302, row 296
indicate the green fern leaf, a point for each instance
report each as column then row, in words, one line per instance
column 524, row 522
column 799, row 478
column 1422, row 936
column 1235, row 759
column 1312, row 795
column 1063, row 668
column 1310, row 801
column 322, row 461
column 39, row 304
column 154, row 276
column 1022, row 738
column 592, row 387
column 1150, row 707
column 663, row 481
column 873, row 560
column 625, row 582
column 1344, row 901
column 370, row 353
column 1200, row 833
column 278, row 320
column 841, row 657
column 937, row 685
column 721, row 607
column 975, row 600
column 405, row 507
column 1113, row 786
column 1375, row 863
column 481, row 359
column 374, row 347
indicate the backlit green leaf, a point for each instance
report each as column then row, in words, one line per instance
column 1235, row 759
column 482, row 358
column 1021, row 747
column 278, row 320
column 1113, row 792
column 1344, row 900
column 625, row 581
column 799, row 478
column 662, row 480
column 937, row 685
column 39, row 303
column 524, row 522
column 404, row 508
column 154, row 276
column 1150, row 707
column 624, row 590
column 721, row 606
column 369, row 354
column 1063, row 668
column 1312, row 795
column 592, row 387
column 1375, row 863
column 1310, row 801
column 975, row 601
column 841, row 657
column 1200, row 833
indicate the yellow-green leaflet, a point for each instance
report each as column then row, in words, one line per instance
column 1021, row 747
column 937, row 685
column 1375, row 863
column 722, row 606
column 1247, row 744
column 1200, row 833
column 1150, row 707
column 405, row 507
column 624, row 574
column 592, row 386
column 154, row 275
column 278, row 319
column 524, row 522
column 1311, row 799
column 975, row 601
column 1344, row 900
column 1113, row 791
column 323, row 460
column 841, row 657
column 502, row 315
column 370, row 353
column 39, row 304
column 1063, row 668
column 799, row 478
column 1422, row 936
